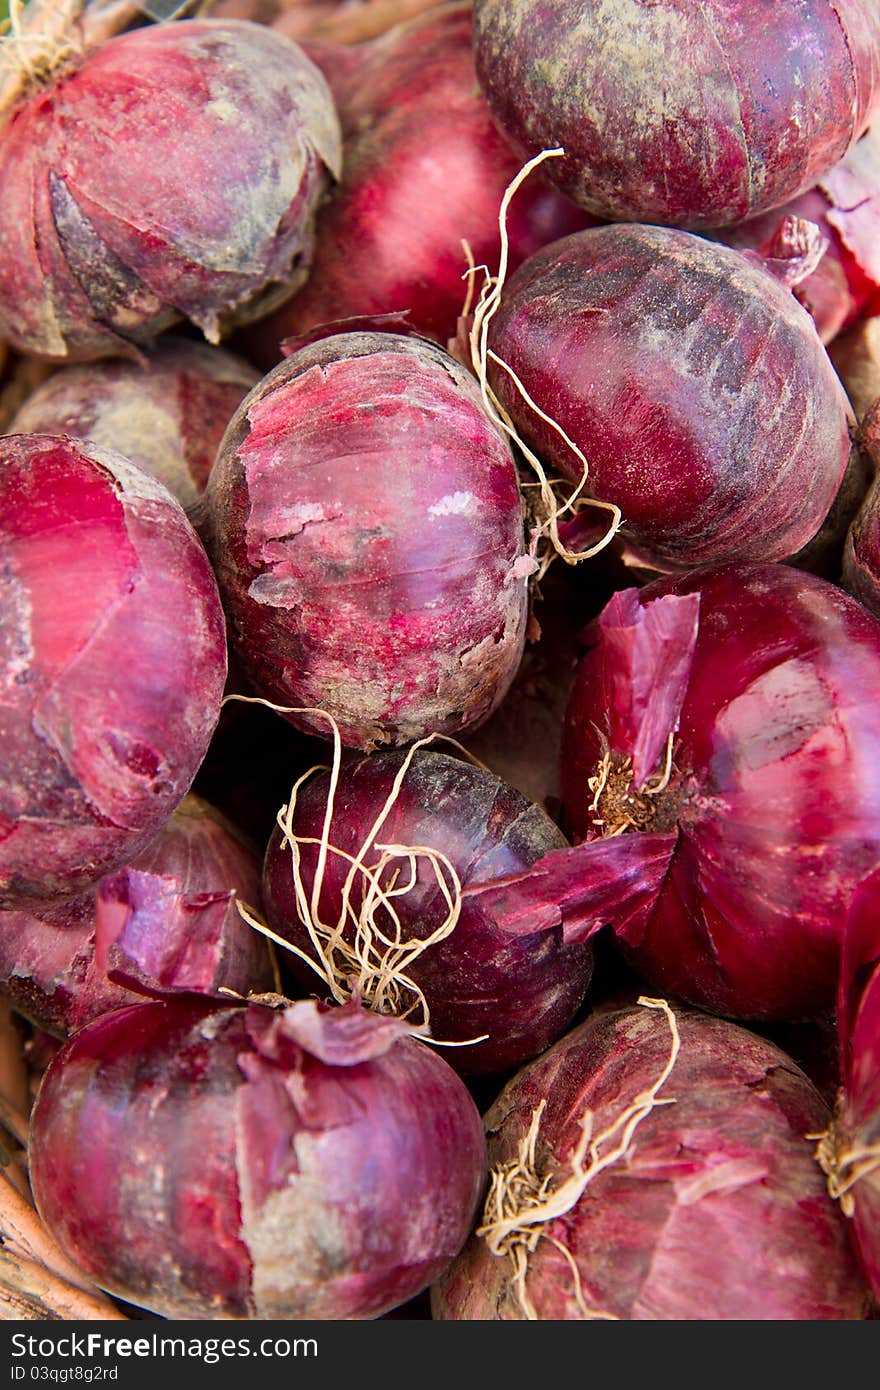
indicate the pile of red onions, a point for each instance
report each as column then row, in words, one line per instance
column 424, row 171
column 366, row 529
column 518, row 987
column 701, row 1199
column 113, row 659
column 166, row 412
column 209, row 1162
column 113, row 229
column 167, row 922
column 691, row 381
column 845, row 205
column 850, row 1151
column 736, row 711
column 687, row 115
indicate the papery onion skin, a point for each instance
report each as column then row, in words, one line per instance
column 857, row 1121
column 425, row 170
column 204, row 1162
column 776, row 786
column 691, row 380
column 522, row 988
column 170, row 918
column 112, row 663
column 166, row 413
column 113, row 230
column 716, row 1212
column 845, row 205
column 856, row 356
column 365, row 526
column 687, row 116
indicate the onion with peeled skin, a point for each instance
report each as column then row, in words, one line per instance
column 666, row 1176
column 365, row 524
column 113, row 228
column 424, row 171
column 738, row 711
column 682, row 114
column 166, row 413
column 168, row 921
column 690, row 379
column 210, row 1162
column 112, row 664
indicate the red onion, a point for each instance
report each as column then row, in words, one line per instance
column 341, row 21
column 425, row 169
column 754, row 689
column 661, row 1184
column 366, row 529
column 231, row 1163
column 856, row 356
column 460, row 970
column 845, row 205
column 170, row 920
column 861, row 556
column 693, row 116
column 113, row 229
column 691, row 380
column 112, row 663
column 166, row 413
column 850, row 1149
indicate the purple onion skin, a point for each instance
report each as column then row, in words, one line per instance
column 113, row 229
column 166, row 413
column 776, row 791
column 691, row 380
column 522, row 988
column 857, row 1122
column 112, row 664
column 424, row 169
column 298, row 1188
column 365, row 524
column 693, row 116
column 169, row 919
column 861, row 554
column 717, row 1212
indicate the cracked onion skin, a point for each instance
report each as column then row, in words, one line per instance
column 113, row 230
column 693, row 382
column 112, row 664
column 774, row 801
column 211, row 1162
column 717, row 1212
column 364, row 521
column 166, row 413
column 681, row 114
column 521, row 987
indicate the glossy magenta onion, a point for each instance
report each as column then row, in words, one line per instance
column 112, row 663
column 691, row 380
column 210, row 1162
column 366, row 529
column 699, row 1198
column 736, row 710
column 113, row 228
column 687, row 115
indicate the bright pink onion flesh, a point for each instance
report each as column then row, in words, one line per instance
column 766, row 681
column 169, row 921
column 113, row 228
column 366, row 527
column 112, row 663
column 845, row 205
column 325, row 1165
column 425, row 170
column 854, row 1147
column 522, row 987
column 166, row 413
column 691, row 380
column 687, row 115
column 716, row 1209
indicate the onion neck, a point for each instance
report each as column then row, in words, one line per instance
column 46, row 38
